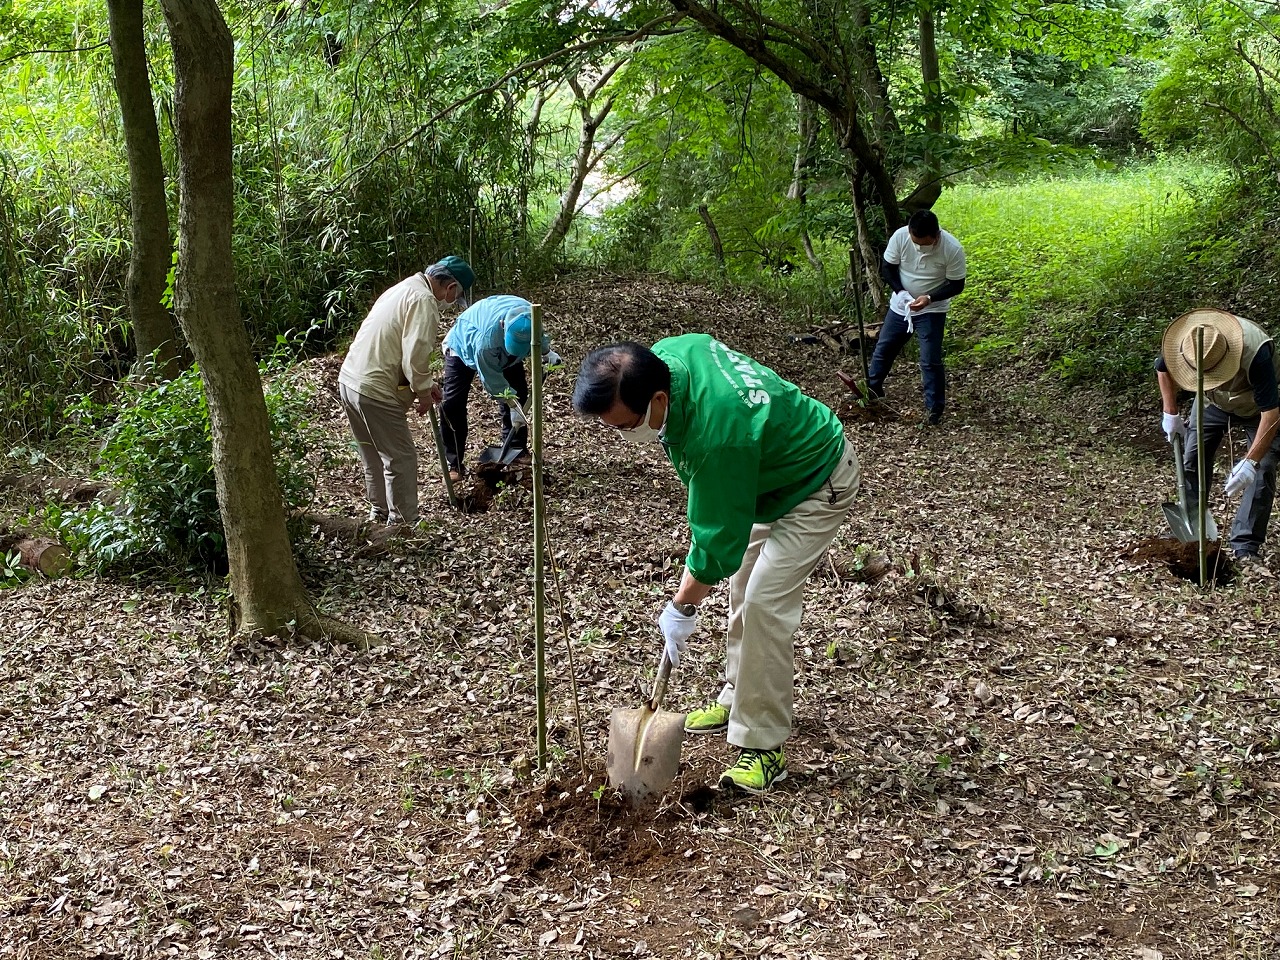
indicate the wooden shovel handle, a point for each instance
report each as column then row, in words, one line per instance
column 660, row 684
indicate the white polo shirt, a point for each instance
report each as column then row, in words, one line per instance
column 926, row 268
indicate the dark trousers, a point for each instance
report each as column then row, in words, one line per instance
column 1249, row 528
column 893, row 337
column 456, row 387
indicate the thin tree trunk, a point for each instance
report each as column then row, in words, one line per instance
column 930, row 188
column 267, row 592
column 866, row 248
column 149, row 255
column 806, row 146
column 584, row 162
column 717, row 248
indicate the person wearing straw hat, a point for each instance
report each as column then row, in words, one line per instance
column 1241, row 369
column 491, row 338
column 386, row 371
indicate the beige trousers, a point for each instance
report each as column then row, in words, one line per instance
column 765, row 600
column 388, row 454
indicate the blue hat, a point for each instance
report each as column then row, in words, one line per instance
column 461, row 271
column 517, row 333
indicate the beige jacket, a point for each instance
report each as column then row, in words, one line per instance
column 390, row 358
column 1236, row 395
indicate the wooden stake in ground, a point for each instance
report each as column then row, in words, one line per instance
column 539, row 540
column 1202, row 505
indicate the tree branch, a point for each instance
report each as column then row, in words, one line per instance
column 640, row 33
column 32, row 53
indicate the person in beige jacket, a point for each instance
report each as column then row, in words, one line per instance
column 386, row 371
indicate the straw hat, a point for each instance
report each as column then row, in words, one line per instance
column 1223, row 345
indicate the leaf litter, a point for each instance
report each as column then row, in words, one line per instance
column 1015, row 735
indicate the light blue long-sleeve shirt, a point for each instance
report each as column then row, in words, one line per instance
column 478, row 338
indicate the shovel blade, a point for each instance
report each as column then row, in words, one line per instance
column 500, row 455
column 1184, row 527
column 644, row 751
column 1179, row 522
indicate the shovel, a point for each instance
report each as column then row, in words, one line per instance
column 504, row 455
column 644, row 744
column 1184, row 527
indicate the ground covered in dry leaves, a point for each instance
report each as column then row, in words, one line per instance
column 1019, row 736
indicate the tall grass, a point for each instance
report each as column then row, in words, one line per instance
column 1082, row 272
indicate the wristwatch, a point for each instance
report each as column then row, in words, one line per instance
column 685, row 609
column 1256, row 463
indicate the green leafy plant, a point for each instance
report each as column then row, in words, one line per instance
column 12, row 572
column 156, row 453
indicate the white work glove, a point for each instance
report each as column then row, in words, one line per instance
column 676, row 631
column 551, row 360
column 900, row 303
column 1174, row 426
column 518, row 419
column 1242, row 478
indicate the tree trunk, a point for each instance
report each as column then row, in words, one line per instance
column 584, row 161
column 866, row 247
column 717, row 248
column 45, row 557
column 806, row 148
column 930, row 188
column 267, row 592
column 149, row 255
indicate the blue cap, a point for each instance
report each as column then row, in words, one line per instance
column 517, row 333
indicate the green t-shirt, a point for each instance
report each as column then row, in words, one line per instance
column 748, row 445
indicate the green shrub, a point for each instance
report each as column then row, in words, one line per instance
column 157, row 455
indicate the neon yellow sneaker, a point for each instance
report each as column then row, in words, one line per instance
column 712, row 718
column 756, row 771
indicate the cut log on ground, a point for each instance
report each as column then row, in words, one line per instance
column 45, row 557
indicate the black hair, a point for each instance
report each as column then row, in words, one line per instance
column 923, row 223
column 626, row 371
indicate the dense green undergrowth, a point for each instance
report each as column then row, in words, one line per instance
column 153, row 445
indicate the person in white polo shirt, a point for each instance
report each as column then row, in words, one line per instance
column 924, row 267
column 386, row 371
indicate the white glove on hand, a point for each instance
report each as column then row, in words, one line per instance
column 551, row 360
column 1241, row 478
column 1174, row 426
column 676, row 630
column 518, row 419
column 898, row 303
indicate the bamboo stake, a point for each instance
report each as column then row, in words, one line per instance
column 539, row 538
column 1202, row 502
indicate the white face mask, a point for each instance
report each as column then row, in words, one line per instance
column 643, row 433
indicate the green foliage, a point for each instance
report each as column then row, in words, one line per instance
column 1081, row 273
column 156, row 453
column 1220, row 91
column 12, row 571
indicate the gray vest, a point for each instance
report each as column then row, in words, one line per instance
column 1236, row 395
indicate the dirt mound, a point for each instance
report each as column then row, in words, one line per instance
column 1183, row 559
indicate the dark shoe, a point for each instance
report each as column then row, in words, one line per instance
column 1246, row 557
column 934, row 418
column 456, row 476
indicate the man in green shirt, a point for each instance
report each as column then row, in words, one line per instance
column 770, row 477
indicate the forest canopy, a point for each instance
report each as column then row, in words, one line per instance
column 753, row 143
